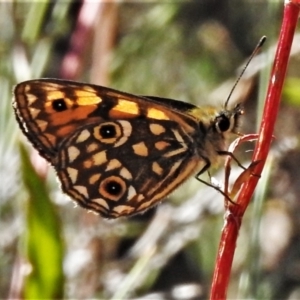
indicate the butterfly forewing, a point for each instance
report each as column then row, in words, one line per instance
column 50, row 111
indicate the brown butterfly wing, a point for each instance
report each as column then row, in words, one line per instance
column 115, row 153
column 119, row 168
column 50, row 110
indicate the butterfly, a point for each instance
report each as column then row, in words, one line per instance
column 115, row 153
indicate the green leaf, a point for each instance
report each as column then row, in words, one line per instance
column 44, row 244
column 37, row 12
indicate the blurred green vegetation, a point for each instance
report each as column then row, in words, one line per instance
column 180, row 50
column 43, row 242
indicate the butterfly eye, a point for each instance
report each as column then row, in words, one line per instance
column 112, row 188
column 222, row 123
column 59, row 105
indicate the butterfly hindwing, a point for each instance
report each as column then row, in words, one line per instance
column 125, row 166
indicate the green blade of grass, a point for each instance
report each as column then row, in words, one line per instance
column 44, row 244
column 36, row 12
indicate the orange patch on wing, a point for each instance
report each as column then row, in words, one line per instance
column 69, row 115
column 161, row 145
column 88, row 100
column 116, row 114
column 157, row 129
column 87, row 97
column 140, row 149
column 54, row 95
column 124, row 108
column 156, row 168
column 65, row 130
column 157, row 114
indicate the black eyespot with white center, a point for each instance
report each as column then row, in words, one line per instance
column 112, row 188
column 108, row 131
column 59, row 105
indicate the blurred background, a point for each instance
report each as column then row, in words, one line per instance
column 191, row 51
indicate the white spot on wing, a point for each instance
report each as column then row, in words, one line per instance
column 42, row 124
column 82, row 190
column 125, row 174
column 101, row 202
column 83, row 136
column 131, row 192
column 73, row 153
column 73, row 174
column 34, row 112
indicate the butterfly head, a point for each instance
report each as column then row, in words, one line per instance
column 218, row 123
column 228, row 121
column 216, row 126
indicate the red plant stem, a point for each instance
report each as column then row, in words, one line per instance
column 236, row 212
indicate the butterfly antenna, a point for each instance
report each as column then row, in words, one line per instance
column 256, row 49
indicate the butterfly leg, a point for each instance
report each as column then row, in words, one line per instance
column 203, row 170
column 233, row 157
column 216, row 188
column 237, row 161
